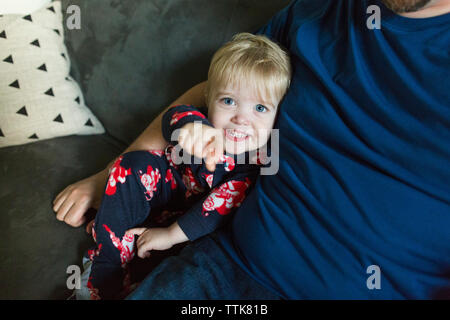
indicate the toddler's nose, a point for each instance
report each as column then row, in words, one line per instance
column 240, row 119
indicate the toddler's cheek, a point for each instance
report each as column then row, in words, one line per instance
column 262, row 137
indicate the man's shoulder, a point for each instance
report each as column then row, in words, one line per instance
column 311, row 9
column 284, row 25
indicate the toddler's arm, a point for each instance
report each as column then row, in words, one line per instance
column 196, row 135
column 203, row 218
column 216, row 208
column 178, row 116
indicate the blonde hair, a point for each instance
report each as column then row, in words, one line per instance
column 253, row 60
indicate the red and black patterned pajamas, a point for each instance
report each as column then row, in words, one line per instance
column 140, row 181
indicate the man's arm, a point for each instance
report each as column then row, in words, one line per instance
column 72, row 203
column 152, row 138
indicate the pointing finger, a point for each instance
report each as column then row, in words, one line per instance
column 210, row 160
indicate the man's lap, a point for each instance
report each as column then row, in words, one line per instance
column 202, row 270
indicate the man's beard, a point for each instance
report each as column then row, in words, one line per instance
column 400, row 6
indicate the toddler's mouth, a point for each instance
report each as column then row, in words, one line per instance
column 236, row 135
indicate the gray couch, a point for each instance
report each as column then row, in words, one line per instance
column 131, row 59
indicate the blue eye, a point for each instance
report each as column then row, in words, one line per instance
column 228, row 101
column 260, row 108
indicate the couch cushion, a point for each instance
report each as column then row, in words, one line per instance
column 132, row 58
column 38, row 99
column 21, row 7
column 36, row 248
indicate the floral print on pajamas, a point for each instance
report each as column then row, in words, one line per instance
column 140, row 181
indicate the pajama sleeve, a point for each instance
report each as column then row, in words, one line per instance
column 177, row 116
column 214, row 209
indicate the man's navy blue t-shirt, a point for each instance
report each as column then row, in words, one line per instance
column 360, row 206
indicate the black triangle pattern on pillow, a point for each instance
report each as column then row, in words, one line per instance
column 36, row 43
column 23, row 111
column 15, row 84
column 10, row 59
column 59, row 118
column 49, row 92
column 43, row 67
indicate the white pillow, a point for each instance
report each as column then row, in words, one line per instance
column 38, row 98
column 21, row 6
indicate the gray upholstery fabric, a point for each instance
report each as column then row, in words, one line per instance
column 134, row 57
column 131, row 59
column 36, row 249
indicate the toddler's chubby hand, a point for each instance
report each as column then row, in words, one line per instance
column 202, row 141
column 157, row 238
column 151, row 239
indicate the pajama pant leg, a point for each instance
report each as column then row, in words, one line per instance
column 137, row 182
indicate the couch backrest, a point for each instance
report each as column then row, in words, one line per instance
column 133, row 57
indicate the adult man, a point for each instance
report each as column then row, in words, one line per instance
column 363, row 178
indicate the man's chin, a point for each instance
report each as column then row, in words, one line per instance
column 403, row 6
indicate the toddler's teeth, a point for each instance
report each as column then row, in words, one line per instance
column 236, row 134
